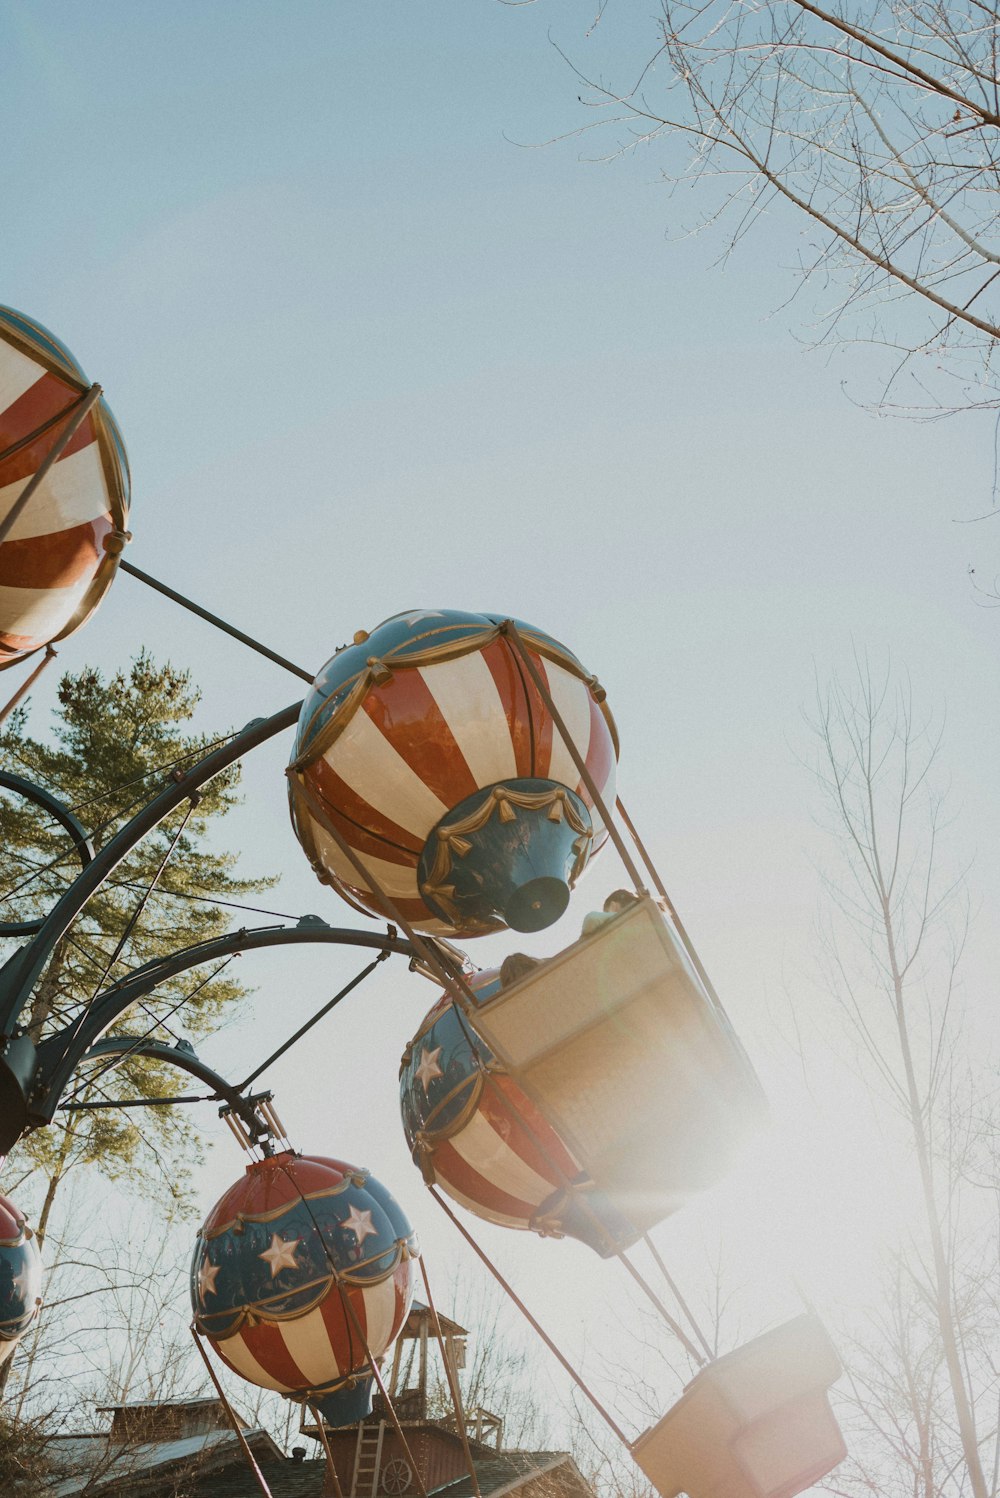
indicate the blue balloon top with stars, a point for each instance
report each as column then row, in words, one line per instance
column 301, row 1271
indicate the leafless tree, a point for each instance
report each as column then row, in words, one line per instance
column 925, row 1375
column 876, row 123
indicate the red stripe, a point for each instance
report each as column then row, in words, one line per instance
column 503, row 664
column 15, row 645
column 526, row 1130
column 57, row 560
column 489, row 1201
column 268, row 1346
column 359, row 823
column 277, row 1182
column 542, row 719
column 46, row 398
column 600, row 754
column 407, row 715
column 344, row 1340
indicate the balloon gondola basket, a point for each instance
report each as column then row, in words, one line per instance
column 618, row 1043
column 756, row 1423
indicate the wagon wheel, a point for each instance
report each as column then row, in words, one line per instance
column 396, row 1476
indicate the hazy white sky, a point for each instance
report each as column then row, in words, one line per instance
column 369, row 354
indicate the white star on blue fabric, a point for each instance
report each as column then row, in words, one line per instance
column 360, row 1224
column 281, row 1254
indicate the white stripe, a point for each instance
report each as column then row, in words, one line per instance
column 473, row 709
column 380, row 1312
column 236, row 1351
column 74, row 491
column 39, row 613
column 363, row 756
column 572, row 699
column 479, row 1210
column 17, row 374
column 308, row 1343
column 395, row 878
column 481, row 1146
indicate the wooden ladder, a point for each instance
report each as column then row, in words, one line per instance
column 367, row 1459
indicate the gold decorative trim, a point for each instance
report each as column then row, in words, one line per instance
column 452, row 839
column 474, row 1082
column 316, row 814
column 250, row 1314
column 237, row 1223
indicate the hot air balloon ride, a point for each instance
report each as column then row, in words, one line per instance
column 474, row 1132
column 20, row 1277
column 755, row 1423
column 426, row 749
column 302, row 1276
column 62, row 545
column 593, row 1096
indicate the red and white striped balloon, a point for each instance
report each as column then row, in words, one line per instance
column 478, row 1136
column 62, row 552
column 301, row 1271
column 413, row 720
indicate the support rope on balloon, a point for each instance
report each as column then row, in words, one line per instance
column 28, row 683
column 229, row 629
column 77, row 413
column 514, row 635
column 509, row 1291
column 352, row 1316
column 456, row 1393
column 671, row 908
column 386, row 1396
column 676, row 1293
column 233, row 1417
column 455, row 983
column 331, row 1466
column 510, row 629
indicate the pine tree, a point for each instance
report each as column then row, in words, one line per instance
column 113, row 743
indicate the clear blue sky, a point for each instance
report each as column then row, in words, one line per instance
column 370, row 354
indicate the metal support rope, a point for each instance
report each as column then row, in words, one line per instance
column 229, row 629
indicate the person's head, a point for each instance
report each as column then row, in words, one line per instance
column 619, row 900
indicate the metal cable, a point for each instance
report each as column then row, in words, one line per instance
column 577, row 1378
column 116, row 1061
column 320, row 1014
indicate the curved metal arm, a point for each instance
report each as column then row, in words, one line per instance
column 59, row 1055
column 60, row 814
column 22, row 971
column 180, row 1056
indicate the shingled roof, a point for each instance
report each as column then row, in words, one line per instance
column 505, row 1471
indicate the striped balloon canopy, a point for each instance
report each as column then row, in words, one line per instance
column 429, row 774
column 62, row 551
column 478, row 1136
column 20, row 1277
column 302, row 1270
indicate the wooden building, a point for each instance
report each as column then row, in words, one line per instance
column 187, row 1448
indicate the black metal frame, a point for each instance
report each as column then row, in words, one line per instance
column 34, row 1077
column 65, row 818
